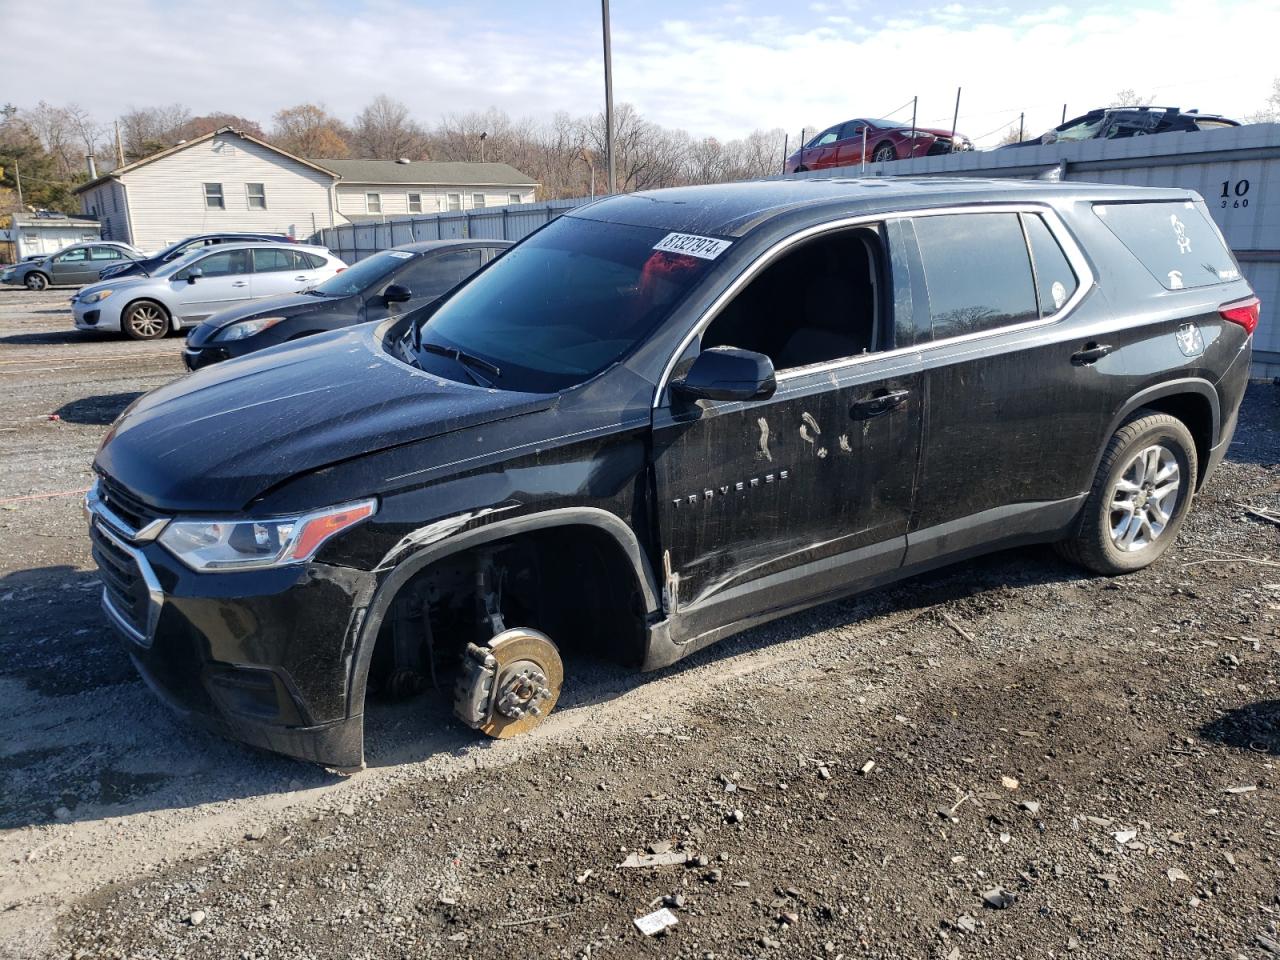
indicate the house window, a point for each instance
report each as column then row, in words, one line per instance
column 477, row 200
column 455, row 201
column 373, row 203
column 513, row 198
column 415, row 203
column 213, row 197
column 257, row 195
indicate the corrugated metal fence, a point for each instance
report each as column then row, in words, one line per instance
column 1236, row 170
column 354, row 241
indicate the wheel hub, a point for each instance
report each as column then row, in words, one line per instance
column 508, row 685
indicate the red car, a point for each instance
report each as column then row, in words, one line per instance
column 841, row 145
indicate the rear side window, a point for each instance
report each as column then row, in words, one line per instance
column 1055, row 280
column 432, row 275
column 271, row 259
column 1175, row 240
column 977, row 271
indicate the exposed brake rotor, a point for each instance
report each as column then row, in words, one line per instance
column 510, row 683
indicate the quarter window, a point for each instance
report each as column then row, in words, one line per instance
column 1056, row 282
column 415, row 203
column 213, row 199
column 977, row 271
column 373, row 203
column 257, row 193
column 1174, row 240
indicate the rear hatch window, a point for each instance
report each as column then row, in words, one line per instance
column 1175, row 240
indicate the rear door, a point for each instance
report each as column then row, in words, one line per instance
column 102, row 257
column 226, row 281
column 1015, row 379
column 767, row 505
column 280, row 270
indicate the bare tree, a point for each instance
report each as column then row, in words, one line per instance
column 1270, row 113
column 199, row 126
column 1128, row 97
column 150, row 129
column 309, row 131
column 384, row 130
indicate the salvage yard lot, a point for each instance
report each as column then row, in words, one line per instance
column 850, row 781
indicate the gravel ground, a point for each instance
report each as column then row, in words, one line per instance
column 1005, row 758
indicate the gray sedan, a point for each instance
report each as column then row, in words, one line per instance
column 72, row 266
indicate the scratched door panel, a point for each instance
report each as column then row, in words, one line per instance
column 760, row 504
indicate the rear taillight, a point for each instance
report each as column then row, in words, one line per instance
column 1243, row 312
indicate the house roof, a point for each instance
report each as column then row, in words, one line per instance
column 169, row 151
column 57, row 220
column 427, row 172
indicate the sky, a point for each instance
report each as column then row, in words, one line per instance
column 713, row 68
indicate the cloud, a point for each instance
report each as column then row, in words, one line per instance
column 721, row 70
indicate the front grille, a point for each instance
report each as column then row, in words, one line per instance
column 124, row 504
column 124, row 587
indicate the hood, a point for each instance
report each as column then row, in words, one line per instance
column 284, row 304
column 218, row 439
column 112, row 283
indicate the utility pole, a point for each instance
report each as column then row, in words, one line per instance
column 1064, row 113
column 915, row 102
column 608, row 99
column 17, row 176
column 119, row 147
column 955, row 118
column 483, row 138
column 1021, row 118
column 786, row 142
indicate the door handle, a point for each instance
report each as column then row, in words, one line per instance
column 1092, row 353
column 301, row 278
column 240, row 283
column 877, row 405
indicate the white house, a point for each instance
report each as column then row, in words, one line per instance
column 374, row 189
column 225, row 180
column 46, row 233
column 228, row 180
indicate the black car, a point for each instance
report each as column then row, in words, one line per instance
column 147, row 265
column 1114, row 123
column 660, row 419
column 392, row 282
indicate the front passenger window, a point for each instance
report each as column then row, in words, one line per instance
column 819, row 302
column 225, row 264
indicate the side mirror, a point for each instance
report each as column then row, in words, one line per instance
column 397, row 293
column 194, row 274
column 728, row 373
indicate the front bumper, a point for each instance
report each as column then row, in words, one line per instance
column 102, row 315
column 195, row 358
column 263, row 657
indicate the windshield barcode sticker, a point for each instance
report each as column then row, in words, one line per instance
column 707, row 248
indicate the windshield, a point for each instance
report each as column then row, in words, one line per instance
column 363, row 275
column 565, row 304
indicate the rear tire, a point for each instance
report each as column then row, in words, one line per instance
column 1140, row 496
column 36, row 281
column 145, row 320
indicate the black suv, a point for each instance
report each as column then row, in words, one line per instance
column 662, row 418
column 1116, row 123
column 384, row 284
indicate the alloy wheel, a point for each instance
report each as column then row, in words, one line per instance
column 146, row 321
column 1145, row 498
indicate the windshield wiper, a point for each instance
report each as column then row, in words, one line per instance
column 467, row 361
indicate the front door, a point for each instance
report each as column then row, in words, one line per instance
column 850, row 146
column 72, row 267
column 767, row 505
column 224, row 281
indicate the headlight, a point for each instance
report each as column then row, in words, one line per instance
column 97, row 297
column 230, row 545
column 246, row 328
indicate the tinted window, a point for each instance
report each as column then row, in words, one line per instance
column 817, row 303
column 363, row 275
column 564, row 304
column 224, row 264
column 1055, row 280
column 431, row 276
column 270, row 259
column 825, row 137
column 977, row 270
column 311, row 261
column 852, row 129
column 1176, row 241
